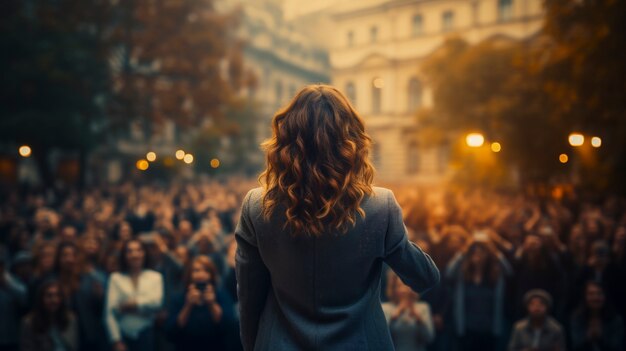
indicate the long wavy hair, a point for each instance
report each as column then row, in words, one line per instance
column 317, row 162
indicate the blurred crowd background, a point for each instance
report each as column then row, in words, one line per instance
column 130, row 132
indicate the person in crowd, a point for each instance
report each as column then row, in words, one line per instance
column 477, row 277
column 50, row 326
column 409, row 319
column 538, row 331
column 133, row 298
column 83, row 290
column 12, row 302
column 595, row 325
column 203, row 317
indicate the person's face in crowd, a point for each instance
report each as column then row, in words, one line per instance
column 67, row 259
column 199, row 274
column 577, row 238
column 91, row 246
column 455, row 241
column 46, row 258
column 68, row 233
column 185, row 229
column 52, row 299
column 125, row 232
column 404, row 293
column 478, row 255
column 594, row 296
column 152, row 250
column 532, row 243
column 134, row 255
column 592, row 228
column 537, row 308
column 182, row 253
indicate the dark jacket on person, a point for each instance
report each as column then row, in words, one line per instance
column 31, row 340
column 300, row 292
column 551, row 336
column 201, row 332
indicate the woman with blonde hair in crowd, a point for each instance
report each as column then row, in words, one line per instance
column 409, row 319
column 312, row 240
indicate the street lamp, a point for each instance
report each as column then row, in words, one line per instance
column 496, row 147
column 25, row 151
column 474, row 140
column 576, row 139
column 151, row 156
column 596, row 142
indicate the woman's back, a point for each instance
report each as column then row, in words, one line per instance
column 308, row 292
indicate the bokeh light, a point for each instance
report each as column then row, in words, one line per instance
column 475, row 140
column 188, row 158
column 25, row 151
column 142, row 165
column 151, row 156
column 596, row 142
column 215, row 163
column 180, row 154
column 496, row 147
column 576, row 139
column 563, row 158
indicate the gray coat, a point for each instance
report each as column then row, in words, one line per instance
column 323, row 293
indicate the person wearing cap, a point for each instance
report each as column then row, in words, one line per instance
column 538, row 331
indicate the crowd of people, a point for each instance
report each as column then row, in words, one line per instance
column 151, row 267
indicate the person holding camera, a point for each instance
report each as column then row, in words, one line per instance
column 203, row 316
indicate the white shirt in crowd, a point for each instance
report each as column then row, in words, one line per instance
column 149, row 298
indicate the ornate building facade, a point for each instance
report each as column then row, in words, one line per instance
column 376, row 52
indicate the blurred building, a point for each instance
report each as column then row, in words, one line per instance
column 280, row 57
column 376, row 50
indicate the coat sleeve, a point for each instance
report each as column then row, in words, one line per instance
column 253, row 278
column 412, row 265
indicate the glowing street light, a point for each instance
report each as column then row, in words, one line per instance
column 151, row 156
column 142, row 165
column 563, row 158
column 596, row 142
column 180, row 154
column 215, row 163
column 25, row 151
column 576, row 139
column 475, row 140
column 188, row 158
column 496, row 147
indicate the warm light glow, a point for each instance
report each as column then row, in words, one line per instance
column 576, row 139
column 596, row 142
column 188, row 158
column 180, row 154
column 496, row 147
column 563, row 158
column 475, row 140
column 168, row 162
column 25, row 151
column 379, row 83
column 215, row 163
column 151, row 156
column 142, row 165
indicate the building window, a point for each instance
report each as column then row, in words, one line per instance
column 377, row 87
column 350, row 38
column 415, row 94
column 412, row 158
column 447, row 21
column 505, row 10
column 351, row 93
column 417, row 27
column 374, row 34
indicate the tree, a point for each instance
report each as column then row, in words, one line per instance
column 55, row 80
column 489, row 87
column 179, row 62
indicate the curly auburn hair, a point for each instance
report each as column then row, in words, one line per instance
column 317, row 163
